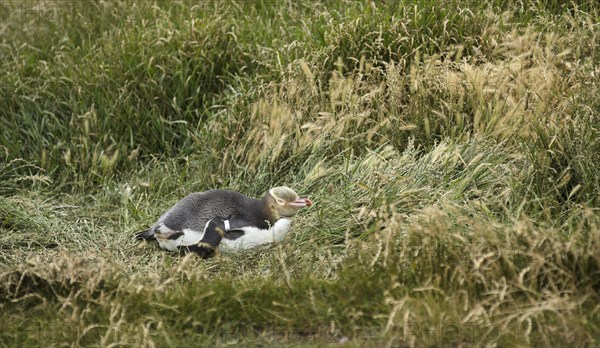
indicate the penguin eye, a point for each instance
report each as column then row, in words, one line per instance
column 280, row 201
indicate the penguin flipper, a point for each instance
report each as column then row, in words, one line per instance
column 145, row 235
column 234, row 234
column 206, row 247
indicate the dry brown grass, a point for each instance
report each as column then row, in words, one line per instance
column 452, row 156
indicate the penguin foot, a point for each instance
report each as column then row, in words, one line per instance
column 204, row 250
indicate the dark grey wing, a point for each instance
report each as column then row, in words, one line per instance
column 233, row 234
column 213, row 234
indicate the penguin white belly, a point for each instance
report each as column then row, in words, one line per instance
column 254, row 237
column 189, row 237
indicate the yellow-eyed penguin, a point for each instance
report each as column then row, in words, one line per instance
column 202, row 220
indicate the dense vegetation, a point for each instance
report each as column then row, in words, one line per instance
column 452, row 149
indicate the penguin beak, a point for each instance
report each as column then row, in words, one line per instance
column 301, row 203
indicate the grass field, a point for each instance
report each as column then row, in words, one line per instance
column 452, row 149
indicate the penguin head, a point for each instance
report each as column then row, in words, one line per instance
column 286, row 202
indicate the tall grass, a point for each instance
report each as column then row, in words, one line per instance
column 451, row 149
